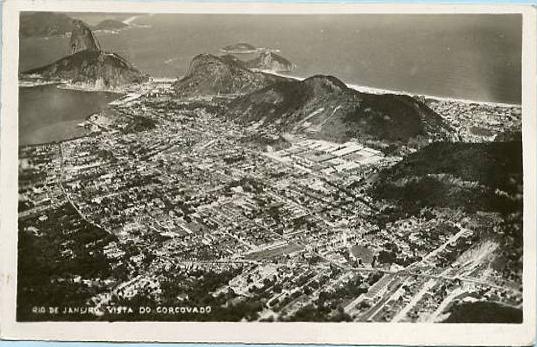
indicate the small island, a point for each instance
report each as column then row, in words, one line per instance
column 271, row 62
column 110, row 24
column 240, row 48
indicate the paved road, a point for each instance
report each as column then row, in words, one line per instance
column 68, row 197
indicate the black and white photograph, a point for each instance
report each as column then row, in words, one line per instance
column 270, row 167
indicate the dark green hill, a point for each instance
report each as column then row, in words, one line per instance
column 212, row 75
column 326, row 107
column 484, row 312
column 471, row 176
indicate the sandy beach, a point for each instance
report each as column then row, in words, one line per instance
column 373, row 90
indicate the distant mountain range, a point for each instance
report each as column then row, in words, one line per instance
column 88, row 65
column 43, row 24
column 212, row 75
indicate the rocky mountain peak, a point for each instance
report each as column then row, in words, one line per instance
column 324, row 107
column 211, row 75
column 324, row 84
column 82, row 38
column 211, row 64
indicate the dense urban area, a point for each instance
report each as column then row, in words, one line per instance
column 168, row 211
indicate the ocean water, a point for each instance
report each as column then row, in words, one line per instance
column 48, row 114
column 469, row 56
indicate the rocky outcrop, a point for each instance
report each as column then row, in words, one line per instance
column 82, row 38
column 212, row 75
column 270, row 61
